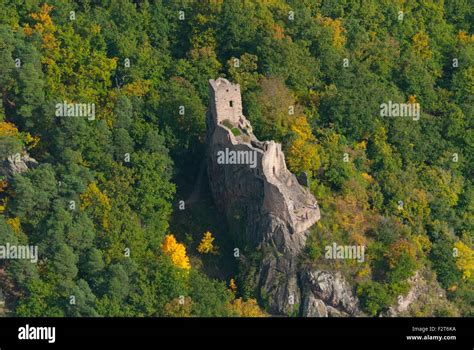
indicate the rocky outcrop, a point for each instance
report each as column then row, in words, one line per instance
column 267, row 210
column 424, row 298
column 327, row 294
column 17, row 164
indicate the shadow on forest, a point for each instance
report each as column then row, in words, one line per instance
column 198, row 216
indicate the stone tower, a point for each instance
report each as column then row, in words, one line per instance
column 225, row 100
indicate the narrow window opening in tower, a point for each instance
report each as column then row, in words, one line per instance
column 231, row 103
column 274, row 172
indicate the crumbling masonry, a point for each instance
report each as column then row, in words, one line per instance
column 267, row 210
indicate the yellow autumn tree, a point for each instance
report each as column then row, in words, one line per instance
column 98, row 202
column 3, row 185
column 10, row 139
column 30, row 141
column 302, row 154
column 206, row 245
column 397, row 249
column 3, row 205
column 8, row 129
column 178, row 307
column 233, row 286
column 46, row 29
column 249, row 308
column 338, row 31
column 412, row 99
column 464, row 38
column 420, row 45
column 14, row 224
column 278, row 31
column 3, row 197
column 71, row 69
column 464, row 259
column 138, row 88
column 177, row 252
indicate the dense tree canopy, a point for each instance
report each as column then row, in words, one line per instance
column 313, row 76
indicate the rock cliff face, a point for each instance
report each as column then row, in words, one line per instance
column 17, row 164
column 327, row 294
column 267, row 210
column 425, row 298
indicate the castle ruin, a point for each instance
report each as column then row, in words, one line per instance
column 265, row 206
column 282, row 195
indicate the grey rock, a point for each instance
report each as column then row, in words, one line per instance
column 313, row 307
column 332, row 289
column 424, row 298
column 333, row 312
column 17, row 164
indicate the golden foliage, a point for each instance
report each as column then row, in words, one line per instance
column 422, row 243
column 95, row 28
column 93, row 194
column 302, row 129
column 45, row 27
column 31, row 141
column 367, row 177
column 362, row 145
column 43, row 15
column 8, row 129
column 177, row 252
column 364, row 271
column 464, row 259
column 178, row 307
column 14, row 224
column 233, row 286
column 206, row 245
column 71, row 69
column 420, row 45
column 397, row 249
column 416, row 207
column 278, row 31
column 247, row 308
column 137, row 88
column 358, row 237
column 3, row 201
column 338, row 31
column 93, row 197
column 464, row 37
column 349, row 212
column 302, row 154
column 3, row 185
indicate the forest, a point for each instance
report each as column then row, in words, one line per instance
column 103, row 199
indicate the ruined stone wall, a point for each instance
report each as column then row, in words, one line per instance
column 260, row 204
column 225, row 100
column 269, row 212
